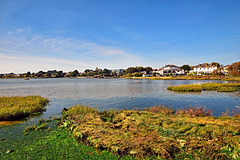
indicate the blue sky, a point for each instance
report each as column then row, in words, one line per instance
column 79, row 34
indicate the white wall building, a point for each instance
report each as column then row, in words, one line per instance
column 204, row 68
column 171, row 69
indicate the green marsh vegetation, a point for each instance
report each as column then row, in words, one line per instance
column 220, row 87
column 157, row 132
column 15, row 108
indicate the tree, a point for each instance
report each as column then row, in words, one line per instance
column 186, row 67
column 88, row 70
column 140, row 69
column 131, row 70
column 218, row 72
column 148, row 69
column 234, row 69
column 28, row 74
column 106, row 72
column 74, row 73
column 215, row 64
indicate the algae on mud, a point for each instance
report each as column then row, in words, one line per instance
column 157, row 131
column 15, row 108
column 54, row 143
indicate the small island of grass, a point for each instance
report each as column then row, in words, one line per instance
column 220, row 87
column 15, row 108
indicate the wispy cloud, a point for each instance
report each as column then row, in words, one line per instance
column 26, row 50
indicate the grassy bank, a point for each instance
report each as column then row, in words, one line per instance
column 13, row 108
column 220, row 87
column 45, row 143
column 157, row 132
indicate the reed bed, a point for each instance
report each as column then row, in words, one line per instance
column 220, row 87
column 187, row 88
column 13, row 108
column 157, row 132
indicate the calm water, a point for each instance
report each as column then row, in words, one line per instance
column 110, row 93
column 115, row 93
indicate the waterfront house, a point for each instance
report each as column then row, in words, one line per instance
column 146, row 75
column 171, row 70
column 204, row 68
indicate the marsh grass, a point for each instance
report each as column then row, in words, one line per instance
column 220, row 87
column 187, row 88
column 13, row 108
column 158, row 132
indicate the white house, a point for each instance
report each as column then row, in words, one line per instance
column 171, row 69
column 204, row 68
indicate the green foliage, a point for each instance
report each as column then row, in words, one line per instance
column 29, row 128
column 41, row 127
column 54, row 144
column 215, row 64
column 137, row 71
column 137, row 74
column 131, row 70
column 148, row 69
column 186, row 67
column 41, row 121
column 19, row 107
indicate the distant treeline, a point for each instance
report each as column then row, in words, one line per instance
column 138, row 71
column 40, row 74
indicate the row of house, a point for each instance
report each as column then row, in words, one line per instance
column 204, row 68
column 199, row 69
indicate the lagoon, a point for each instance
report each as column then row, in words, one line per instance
column 117, row 93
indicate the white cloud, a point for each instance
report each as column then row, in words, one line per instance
column 20, row 51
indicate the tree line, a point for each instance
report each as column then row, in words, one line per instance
column 138, row 71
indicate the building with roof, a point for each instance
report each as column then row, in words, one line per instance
column 204, row 68
column 171, row 70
